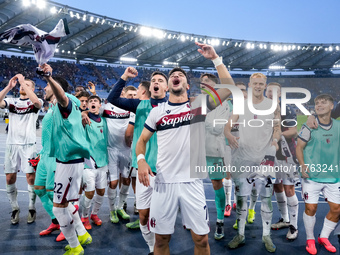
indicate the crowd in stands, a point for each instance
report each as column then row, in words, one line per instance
column 104, row 76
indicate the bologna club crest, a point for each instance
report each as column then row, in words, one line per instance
column 305, row 196
column 153, row 222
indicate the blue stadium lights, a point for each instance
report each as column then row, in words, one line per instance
column 336, row 66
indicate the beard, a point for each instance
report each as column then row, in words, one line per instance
column 23, row 93
column 177, row 92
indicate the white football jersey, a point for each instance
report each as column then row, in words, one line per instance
column 22, row 121
column 117, row 121
column 180, row 131
column 255, row 132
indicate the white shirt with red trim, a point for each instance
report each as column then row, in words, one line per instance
column 117, row 121
column 180, row 131
column 23, row 116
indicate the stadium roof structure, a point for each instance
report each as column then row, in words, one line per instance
column 97, row 38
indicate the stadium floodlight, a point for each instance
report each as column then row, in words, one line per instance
column 215, row 42
column 127, row 59
column 196, row 39
column 74, row 53
column 26, row 3
column 103, row 21
column 158, row 33
column 53, row 10
column 167, row 63
column 337, row 47
column 69, row 52
column 182, row 38
column 265, row 46
column 223, row 43
column 57, row 50
column 293, row 47
column 84, row 17
column 77, row 15
column 289, row 47
column 272, row 47
column 97, row 20
column 299, row 47
column 208, row 41
column 228, row 43
column 236, row 44
column 62, row 51
column 248, row 45
column 91, row 19
column 275, row 67
column 330, row 48
column 71, row 14
column 41, row 4
column 285, row 48
column 145, row 31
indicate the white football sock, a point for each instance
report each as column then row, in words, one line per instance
column 241, row 210
column 112, row 195
column 309, row 222
column 124, row 192
column 227, row 189
column 266, row 214
column 12, row 194
column 66, row 225
column 97, row 203
column 293, row 209
column 282, row 205
column 79, row 226
column 148, row 236
column 328, row 227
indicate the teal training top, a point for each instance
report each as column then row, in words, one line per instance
column 68, row 134
column 142, row 113
column 96, row 135
column 46, row 131
column 322, row 154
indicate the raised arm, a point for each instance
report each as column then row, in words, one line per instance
column 11, row 84
column 58, row 91
column 114, row 96
column 28, row 90
column 209, row 52
column 143, row 168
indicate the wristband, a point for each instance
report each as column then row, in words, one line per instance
column 217, row 61
column 140, row 156
column 275, row 140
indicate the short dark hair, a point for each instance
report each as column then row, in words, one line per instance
column 325, row 97
column 130, row 87
column 240, row 83
column 62, row 82
column 159, row 73
column 274, row 84
column 82, row 94
column 210, row 77
column 146, row 86
column 95, row 96
column 178, row 69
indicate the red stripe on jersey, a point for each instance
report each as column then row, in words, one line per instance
column 112, row 114
column 23, row 110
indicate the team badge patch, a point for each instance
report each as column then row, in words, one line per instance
column 305, row 196
column 153, row 222
column 328, row 140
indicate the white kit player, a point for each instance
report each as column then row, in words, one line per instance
column 119, row 159
column 284, row 186
column 255, row 139
column 21, row 141
column 175, row 122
